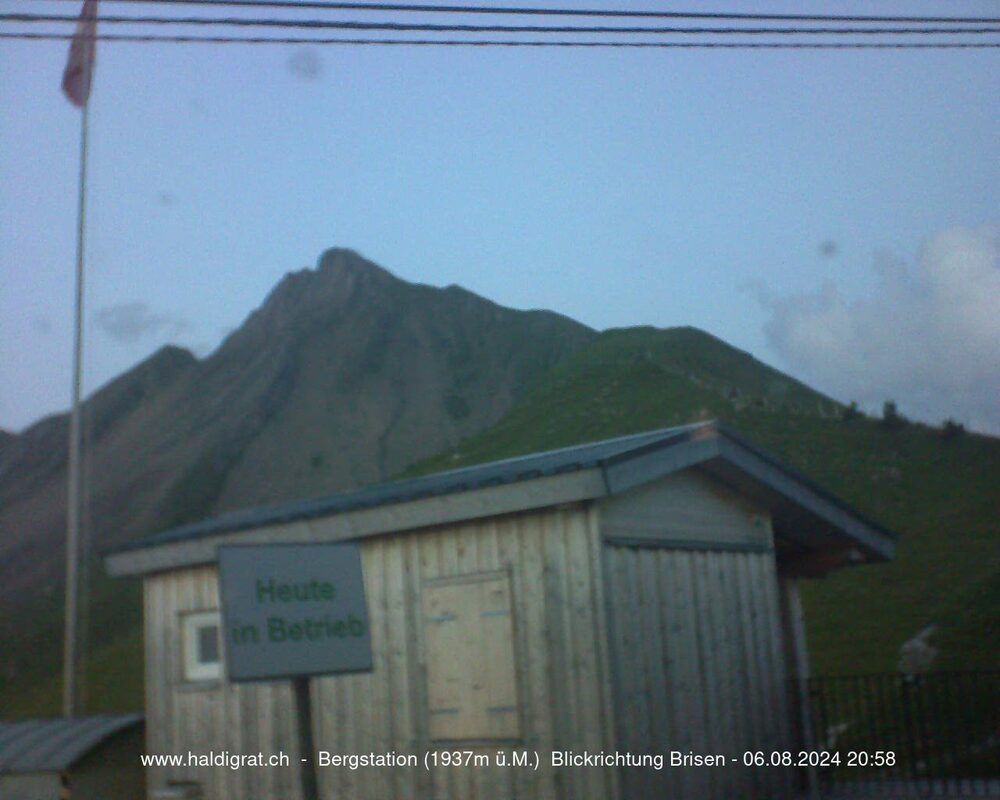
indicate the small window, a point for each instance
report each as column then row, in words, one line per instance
column 202, row 656
column 471, row 676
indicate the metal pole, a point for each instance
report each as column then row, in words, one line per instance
column 800, row 651
column 73, row 494
column 307, row 755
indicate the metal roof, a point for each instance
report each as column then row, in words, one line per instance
column 625, row 461
column 494, row 473
column 53, row 745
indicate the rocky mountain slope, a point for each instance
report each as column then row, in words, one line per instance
column 344, row 376
column 347, row 375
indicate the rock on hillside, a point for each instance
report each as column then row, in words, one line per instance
column 344, row 376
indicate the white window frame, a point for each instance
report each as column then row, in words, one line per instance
column 193, row 670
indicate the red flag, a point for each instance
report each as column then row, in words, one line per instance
column 80, row 66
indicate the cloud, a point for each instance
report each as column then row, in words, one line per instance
column 927, row 337
column 129, row 322
column 305, row 64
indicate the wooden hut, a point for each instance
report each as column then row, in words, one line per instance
column 598, row 606
column 83, row 758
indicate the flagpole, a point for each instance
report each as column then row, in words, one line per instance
column 74, row 505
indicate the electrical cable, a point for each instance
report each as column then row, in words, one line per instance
column 451, row 28
column 687, row 45
column 329, row 5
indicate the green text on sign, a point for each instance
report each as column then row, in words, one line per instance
column 291, row 610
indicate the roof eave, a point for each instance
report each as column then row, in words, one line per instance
column 425, row 512
column 696, row 445
column 875, row 541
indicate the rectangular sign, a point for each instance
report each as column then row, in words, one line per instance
column 290, row 610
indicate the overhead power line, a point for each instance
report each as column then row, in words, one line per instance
column 573, row 43
column 564, row 12
column 320, row 24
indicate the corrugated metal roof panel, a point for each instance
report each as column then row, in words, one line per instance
column 51, row 745
column 624, row 461
column 494, row 473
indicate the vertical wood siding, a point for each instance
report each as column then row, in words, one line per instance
column 182, row 717
column 696, row 651
column 685, row 508
column 562, row 674
column 562, row 662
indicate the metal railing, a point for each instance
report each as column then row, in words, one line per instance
column 936, row 733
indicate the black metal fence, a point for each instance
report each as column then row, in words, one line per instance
column 938, row 730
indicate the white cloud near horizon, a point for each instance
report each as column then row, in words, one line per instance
column 927, row 337
column 129, row 322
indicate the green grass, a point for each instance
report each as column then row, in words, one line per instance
column 110, row 675
column 941, row 495
column 111, row 681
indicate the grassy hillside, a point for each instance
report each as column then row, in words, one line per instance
column 939, row 493
column 111, row 650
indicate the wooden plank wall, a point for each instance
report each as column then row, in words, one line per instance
column 685, row 508
column 698, row 665
column 244, row 718
column 471, row 663
column 554, row 560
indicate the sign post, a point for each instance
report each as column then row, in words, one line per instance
column 303, row 717
column 292, row 611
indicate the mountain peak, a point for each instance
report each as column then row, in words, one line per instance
column 307, row 295
column 340, row 266
column 343, row 258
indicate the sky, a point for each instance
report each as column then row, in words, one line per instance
column 837, row 214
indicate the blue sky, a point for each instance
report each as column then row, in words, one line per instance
column 757, row 195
